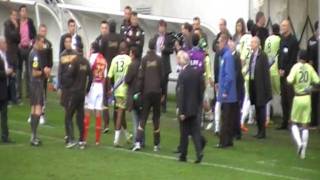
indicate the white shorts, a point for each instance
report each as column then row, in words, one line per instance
column 94, row 99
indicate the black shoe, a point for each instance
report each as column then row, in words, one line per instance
column 199, row 159
column 182, row 159
column 237, row 137
column 7, row 141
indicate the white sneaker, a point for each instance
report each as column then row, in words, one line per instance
column 29, row 119
column 42, row 120
column 137, row 147
column 209, row 126
column 116, row 144
column 156, row 148
column 303, row 152
column 71, row 145
column 82, row 145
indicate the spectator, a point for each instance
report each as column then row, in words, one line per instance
column 288, row 52
column 27, row 34
column 259, row 85
column 12, row 35
column 163, row 49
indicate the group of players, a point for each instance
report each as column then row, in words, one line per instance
column 115, row 73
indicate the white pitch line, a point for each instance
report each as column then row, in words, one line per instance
column 245, row 170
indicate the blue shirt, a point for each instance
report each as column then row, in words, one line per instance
column 227, row 77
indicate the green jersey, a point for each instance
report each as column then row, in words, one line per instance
column 245, row 53
column 301, row 76
column 118, row 69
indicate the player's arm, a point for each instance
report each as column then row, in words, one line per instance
column 291, row 76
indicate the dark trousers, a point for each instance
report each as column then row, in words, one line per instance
column 286, row 101
column 23, row 61
column 75, row 105
column 237, row 124
column 165, row 93
column 191, row 127
column 150, row 100
column 261, row 119
column 315, row 109
column 4, row 120
column 12, row 89
column 229, row 117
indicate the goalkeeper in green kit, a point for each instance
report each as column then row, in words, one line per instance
column 304, row 80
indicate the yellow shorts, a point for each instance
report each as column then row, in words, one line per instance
column 121, row 102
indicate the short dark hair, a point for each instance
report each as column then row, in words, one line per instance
column 104, row 22
column 250, row 24
column 95, row 46
column 162, row 23
column 71, row 21
column 196, row 18
column 123, row 47
column 195, row 39
column 276, row 29
column 22, row 6
column 128, row 7
column 134, row 13
column 152, row 43
column 187, row 26
column 224, row 37
column 112, row 26
column 259, row 15
column 316, row 25
column 135, row 51
column 67, row 36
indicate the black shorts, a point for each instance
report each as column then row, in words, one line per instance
column 36, row 93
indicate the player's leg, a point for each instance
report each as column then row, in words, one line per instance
column 156, row 104
column 71, row 108
column 305, row 139
column 98, row 114
column 217, row 116
column 35, row 117
column 116, row 141
column 80, row 124
column 295, row 131
column 245, row 112
column 141, row 128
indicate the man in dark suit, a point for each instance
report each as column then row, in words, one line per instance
column 76, row 39
column 163, row 49
column 12, row 35
column 288, row 52
column 259, row 85
column 4, row 71
column 190, row 90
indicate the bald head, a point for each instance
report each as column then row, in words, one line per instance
column 182, row 58
column 285, row 27
column 255, row 43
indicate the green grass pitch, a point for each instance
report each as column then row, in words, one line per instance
column 273, row 158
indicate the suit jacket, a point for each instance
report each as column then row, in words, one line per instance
column 12, row 35
column 3, row 82
column 260, row 87
column 190, row 91
column 165, row 55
